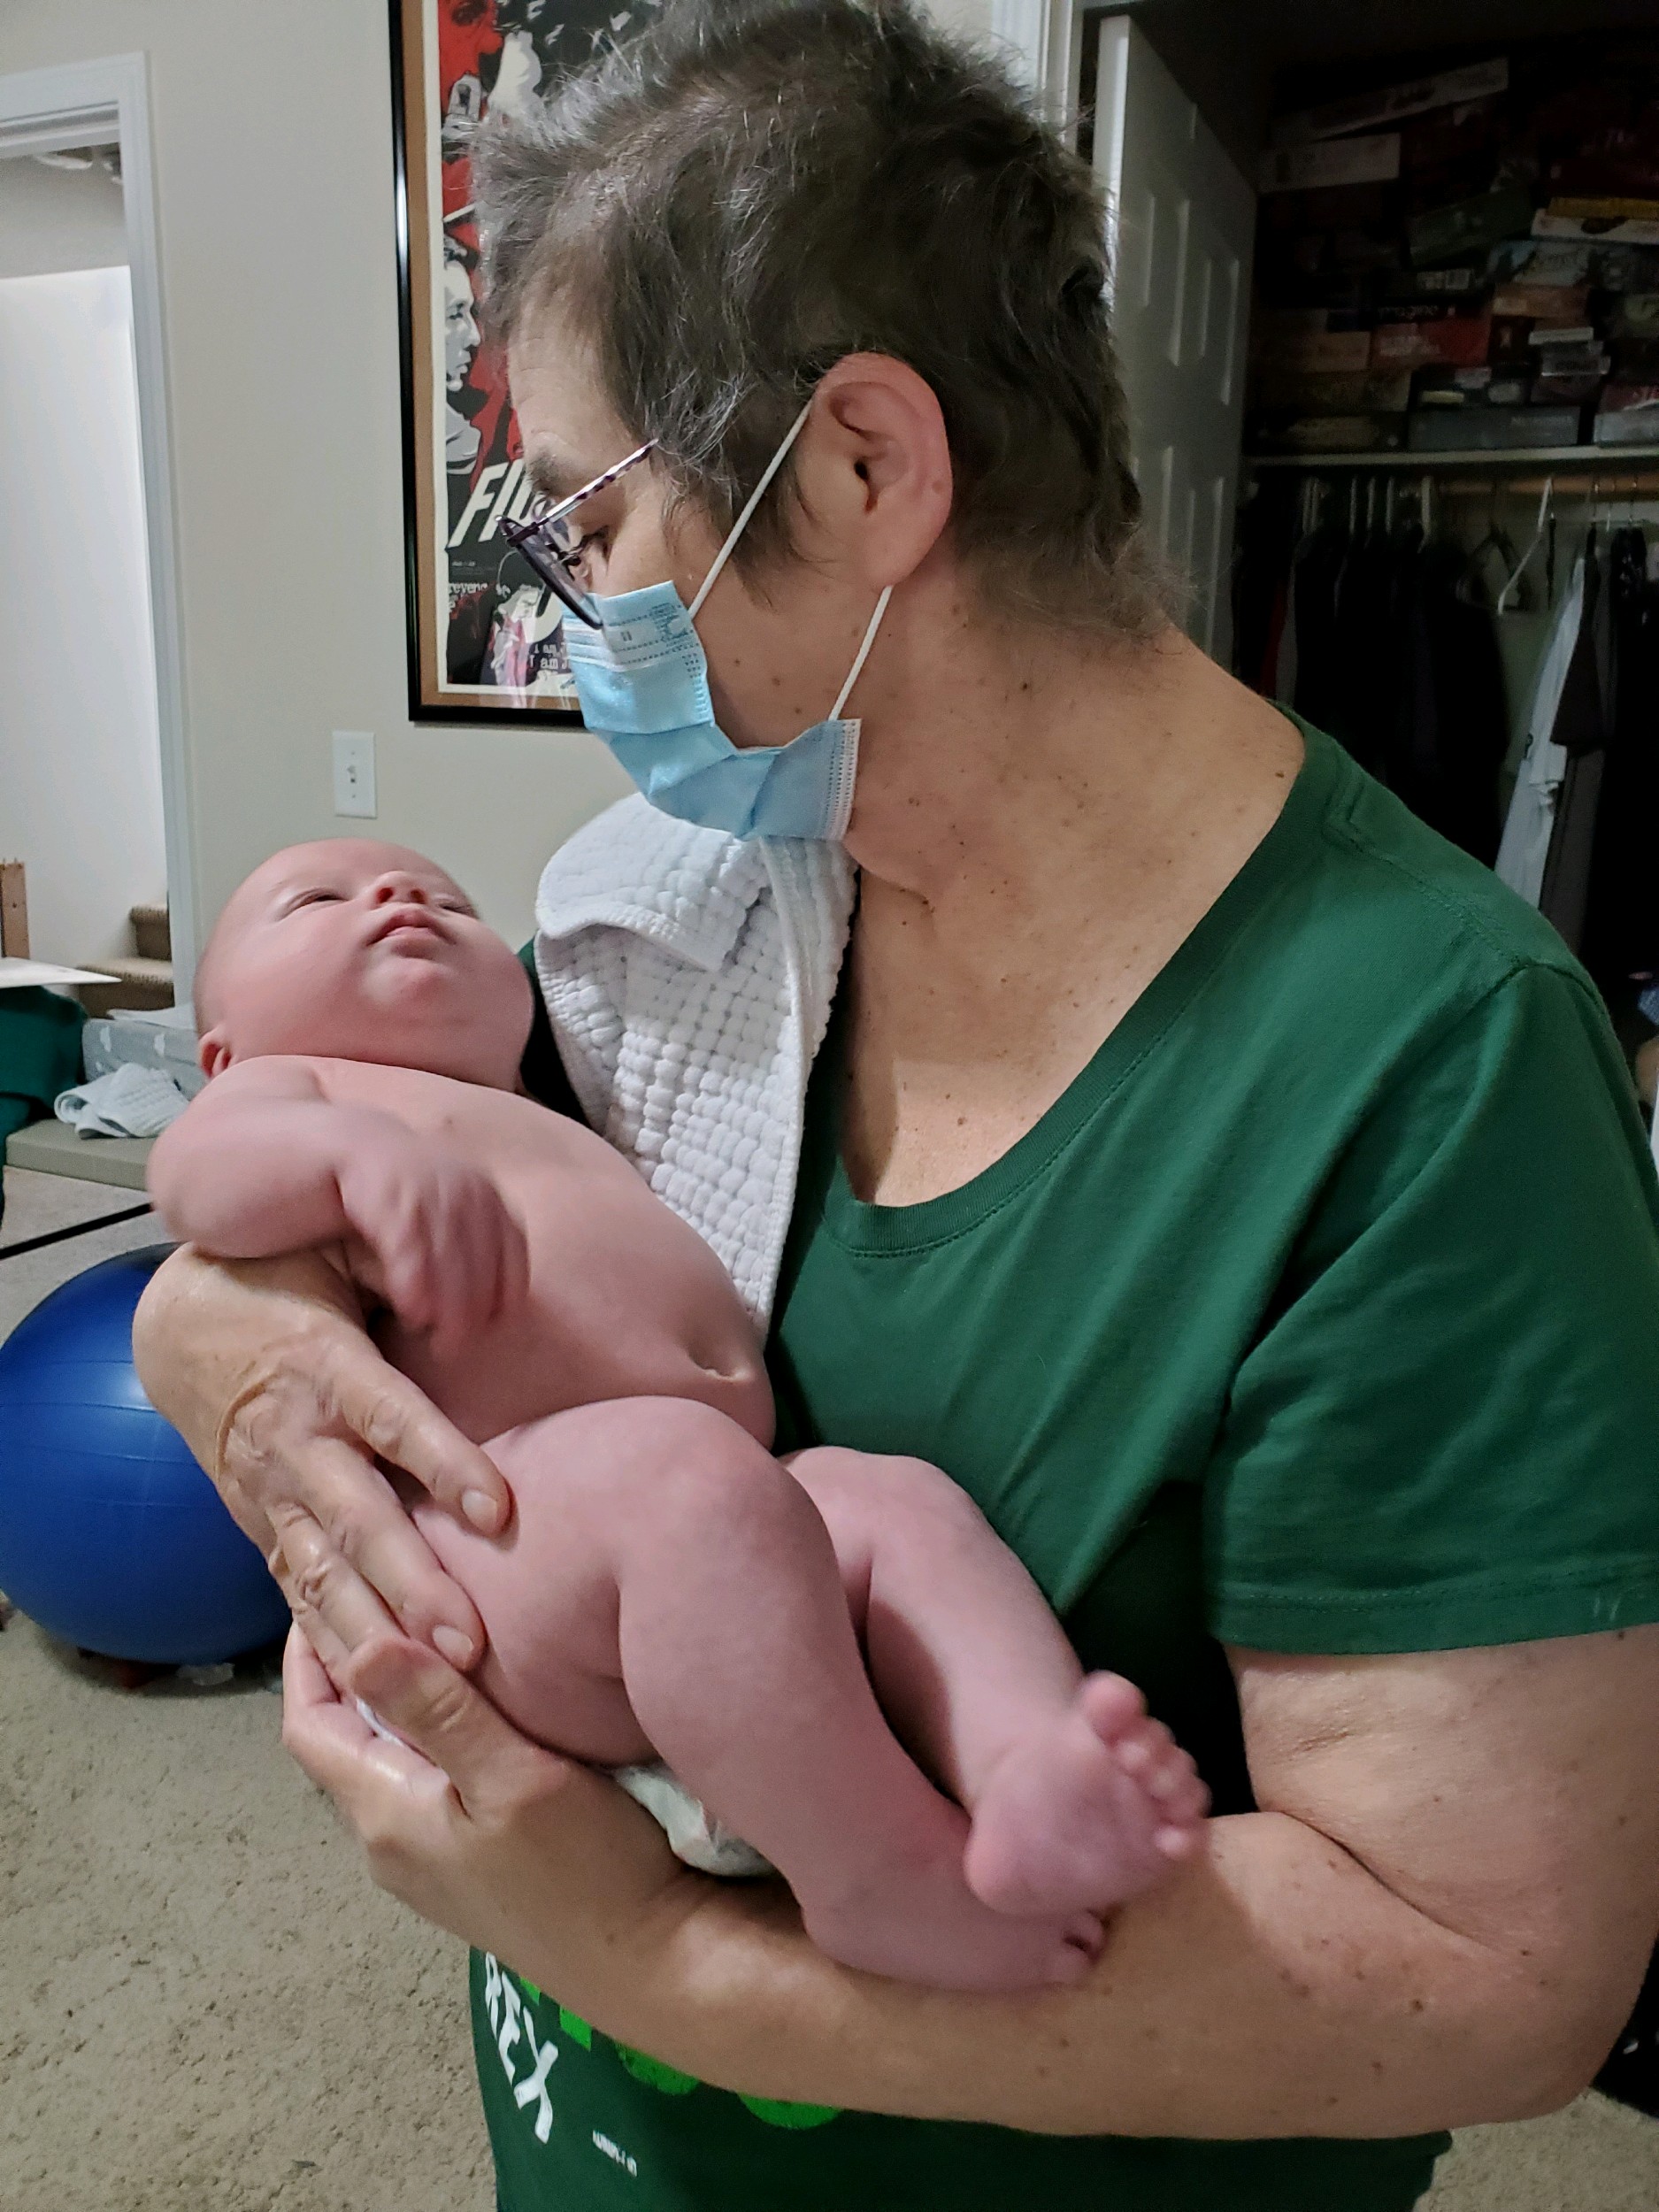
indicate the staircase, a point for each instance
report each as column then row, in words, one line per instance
column 142, row 979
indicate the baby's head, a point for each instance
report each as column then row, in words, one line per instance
column 350, row 949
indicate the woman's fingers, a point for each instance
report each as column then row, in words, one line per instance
column 451, row 1724
column 401, row 1426
column 328, row 1598
column 353, row 1565
column 471, row 1824
column 267, row 1369
column 333, row 1742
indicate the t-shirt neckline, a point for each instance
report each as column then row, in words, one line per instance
column 860, row 1227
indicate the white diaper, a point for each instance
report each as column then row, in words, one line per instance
column 694, row 1834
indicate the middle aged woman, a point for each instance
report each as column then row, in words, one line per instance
column 1231, row 1186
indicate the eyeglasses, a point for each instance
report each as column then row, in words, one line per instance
column 551, row 547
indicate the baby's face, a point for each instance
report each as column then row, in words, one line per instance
column 355, row 950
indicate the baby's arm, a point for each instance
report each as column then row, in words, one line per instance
column 253, row 1169
column 263, row 1162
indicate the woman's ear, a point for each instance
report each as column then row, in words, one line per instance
column 875, row 469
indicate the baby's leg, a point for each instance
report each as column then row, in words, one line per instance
column 1078, row 1798
column 666, row 1585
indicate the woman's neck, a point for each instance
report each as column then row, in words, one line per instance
column 1039, row 829
column 1011, row 776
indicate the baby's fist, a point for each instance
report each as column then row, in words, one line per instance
column 451, row 1254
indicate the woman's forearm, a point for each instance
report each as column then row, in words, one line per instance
column 267, row 1369
column 1275, row 1988
column 206, row 1330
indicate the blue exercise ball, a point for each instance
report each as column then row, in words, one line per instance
column 110, row 1535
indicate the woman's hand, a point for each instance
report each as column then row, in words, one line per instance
column 266, row 1369
column 481, row 1831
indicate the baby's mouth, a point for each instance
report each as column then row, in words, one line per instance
column 411, row 924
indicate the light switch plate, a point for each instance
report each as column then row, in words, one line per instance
column 354, row 772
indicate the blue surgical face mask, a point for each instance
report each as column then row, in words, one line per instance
column 643, row 683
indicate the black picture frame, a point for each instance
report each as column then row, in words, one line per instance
column 483, row 640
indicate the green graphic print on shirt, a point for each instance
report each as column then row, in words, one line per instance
column 1321, row 1314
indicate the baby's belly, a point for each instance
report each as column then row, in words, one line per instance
column 543, row 1360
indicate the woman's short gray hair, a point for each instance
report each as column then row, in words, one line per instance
column 750, row 189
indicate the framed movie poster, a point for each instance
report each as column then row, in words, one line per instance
column 485, row 641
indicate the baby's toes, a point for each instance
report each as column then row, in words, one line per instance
column 1113, row 1707
column 1173, row 1781
column 1144, row 1749
column 1182, row 1802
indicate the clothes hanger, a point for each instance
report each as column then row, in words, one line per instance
column 1497, row 545
column 1519, row 574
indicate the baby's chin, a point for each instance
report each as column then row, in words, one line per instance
column 411, row 1013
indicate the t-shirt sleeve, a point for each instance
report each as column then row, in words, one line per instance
column 540, row 1071
column 1446, row 1433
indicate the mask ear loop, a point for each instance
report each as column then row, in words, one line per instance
column 864, row 655
column 743, row 522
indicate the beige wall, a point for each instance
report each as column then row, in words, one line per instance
column 962, row 15
column 52, row 219
column 272, row 149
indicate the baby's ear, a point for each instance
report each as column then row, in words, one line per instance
column 214, row 1052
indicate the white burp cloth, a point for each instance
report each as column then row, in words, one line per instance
column 695, row 1836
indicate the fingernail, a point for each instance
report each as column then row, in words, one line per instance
column 482, row 1511
column 456, row 1649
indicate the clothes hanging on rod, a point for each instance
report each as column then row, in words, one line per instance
column 1317, row 564
column 1524, row 849
column 1358, row 604
column 1450, row 725
column 1360, row 616
column 1621, row 925
column 1583, row 726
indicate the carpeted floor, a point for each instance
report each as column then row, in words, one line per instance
column 204, row 2008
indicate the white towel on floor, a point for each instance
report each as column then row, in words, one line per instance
column 130, row 1102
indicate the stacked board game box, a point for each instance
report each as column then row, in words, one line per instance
column 1464, row 257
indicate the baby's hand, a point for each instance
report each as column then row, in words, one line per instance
column 451, row 1255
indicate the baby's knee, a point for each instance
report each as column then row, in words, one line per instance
column 657, row 1459
column 880, row 1490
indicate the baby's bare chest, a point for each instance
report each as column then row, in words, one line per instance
column 624, row 1299
column 557, row 1176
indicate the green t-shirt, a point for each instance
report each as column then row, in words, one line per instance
column 1321, row 1315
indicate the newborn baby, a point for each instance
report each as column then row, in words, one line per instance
column 834, row 1653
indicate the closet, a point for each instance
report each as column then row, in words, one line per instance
column 1446, row 507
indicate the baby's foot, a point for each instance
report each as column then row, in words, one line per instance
column 919, row 1922
column 1088, row 1811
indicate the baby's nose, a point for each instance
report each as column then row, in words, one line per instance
column 395, row 886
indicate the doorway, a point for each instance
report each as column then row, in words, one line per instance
column 92, row 791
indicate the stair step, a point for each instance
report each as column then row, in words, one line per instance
column 153, row 932
column 145, row 985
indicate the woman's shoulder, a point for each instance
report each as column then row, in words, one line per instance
column 1378, row 906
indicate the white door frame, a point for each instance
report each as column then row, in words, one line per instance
column 97, row 104
column 1046, row 39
